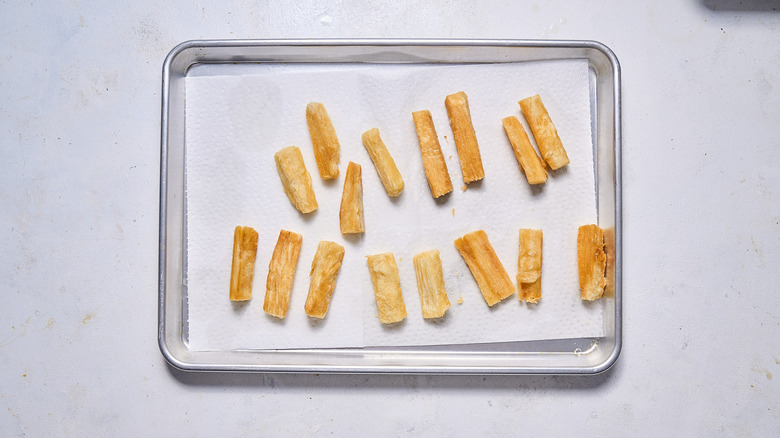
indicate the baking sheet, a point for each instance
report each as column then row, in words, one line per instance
column 234, row 124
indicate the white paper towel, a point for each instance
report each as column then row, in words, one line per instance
column 235, row 124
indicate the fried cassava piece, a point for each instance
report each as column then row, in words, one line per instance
column 430, row 284
column 591, row 261
column 324, row 272
column 387, row 287
column 295, row 179
column 323, row 138
column 529, row 266
column 351, row 219
column 433, row 160
column 465, row 137
column 383, row 162
column 243, row 267
column 532, row 165
column 281, row 272
column 491, row 277
column 544, row 131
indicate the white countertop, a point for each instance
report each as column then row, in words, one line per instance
column 79, row 181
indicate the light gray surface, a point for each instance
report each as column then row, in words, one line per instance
column 79, row 123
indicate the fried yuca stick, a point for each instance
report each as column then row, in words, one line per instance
column 430, row 284
column 591, row 261
column 432, row 158
column 491, row 277
column 295, row 179
column 532, row 165
column 243, row 268
column 324, row 272
column 387, row 287
column 351, row 211
column 323, row 138
column 383, row 162
column 281, row 271
column 544, row 131
column 609, row 250
column 465, row 138
column 529, row 266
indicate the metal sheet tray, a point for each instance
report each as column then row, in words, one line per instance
column 569, row 356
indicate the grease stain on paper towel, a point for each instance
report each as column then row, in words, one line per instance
column 15, row 336
column 760, row 370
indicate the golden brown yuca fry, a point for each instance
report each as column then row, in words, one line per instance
column 526, row 156
column 351, row 211
column 295, row 179
column 243, row 268
column 609, row 250
column 531, row 292
column 465, row 138
column 324, row 271
column 281, row 272
column 529, row 266
column 591, row 261
column 323, row 138
column 432, row 158
column 430, row 284
column 387, row 287
column 491, row 277
column 544, row 131
column 383, row 162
